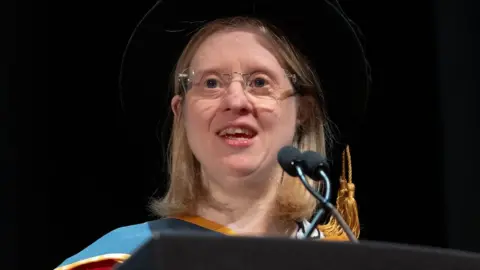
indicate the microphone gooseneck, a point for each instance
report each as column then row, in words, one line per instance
column 315, row 167
column 292, row 161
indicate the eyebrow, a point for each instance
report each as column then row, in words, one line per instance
column 211, row 69
column 248, row 68
column 261, row 67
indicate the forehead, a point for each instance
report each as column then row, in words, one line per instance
column 238, row 50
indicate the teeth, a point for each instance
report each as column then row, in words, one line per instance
column 233, row 131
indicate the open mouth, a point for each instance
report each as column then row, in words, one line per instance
column 237, row 136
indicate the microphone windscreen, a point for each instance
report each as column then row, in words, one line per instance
column 313, row 163
column 286, row 158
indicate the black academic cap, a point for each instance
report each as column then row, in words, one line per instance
column 320, row 30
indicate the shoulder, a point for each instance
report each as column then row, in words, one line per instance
column 115, row 246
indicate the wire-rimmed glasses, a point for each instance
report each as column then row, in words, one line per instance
column 212, row 84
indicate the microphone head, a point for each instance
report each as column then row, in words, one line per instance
column 313, row 163
column 287, row 156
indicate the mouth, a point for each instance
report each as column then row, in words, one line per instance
column 237, row 136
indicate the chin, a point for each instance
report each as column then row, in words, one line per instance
column 241, row 166
column 246, row 165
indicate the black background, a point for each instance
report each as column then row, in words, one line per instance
column 74, row 167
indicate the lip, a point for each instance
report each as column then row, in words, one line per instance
column 239, row 125
column 238, row 143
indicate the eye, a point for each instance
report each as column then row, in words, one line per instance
column 211, row 83
column 259, row 81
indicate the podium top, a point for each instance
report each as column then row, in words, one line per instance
column 200, row 251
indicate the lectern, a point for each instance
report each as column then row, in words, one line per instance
column 205, row 252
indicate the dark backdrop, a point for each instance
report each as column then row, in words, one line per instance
column 74, row 166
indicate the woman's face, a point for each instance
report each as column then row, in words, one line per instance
column 234, row 124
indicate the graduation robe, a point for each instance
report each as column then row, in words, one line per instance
column 118, row 245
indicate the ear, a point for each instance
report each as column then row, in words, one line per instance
column 176, row 105
column 304, row 110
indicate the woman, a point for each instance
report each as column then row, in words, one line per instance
column 241, row 93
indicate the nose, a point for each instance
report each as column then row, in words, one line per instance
column 235, row 99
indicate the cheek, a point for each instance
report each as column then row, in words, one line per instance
column 280, row 122
column 198, row 116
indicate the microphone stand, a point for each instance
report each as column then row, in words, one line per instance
column 325, row 204
column 321, row 211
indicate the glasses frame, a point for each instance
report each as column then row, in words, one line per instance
column 185, row 75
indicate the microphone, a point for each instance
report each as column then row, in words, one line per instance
column 292, row 162
column 289, row 159
column 316, row 166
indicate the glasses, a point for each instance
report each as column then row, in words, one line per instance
column 213, row 84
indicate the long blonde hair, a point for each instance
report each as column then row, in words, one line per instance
column 293, row 201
